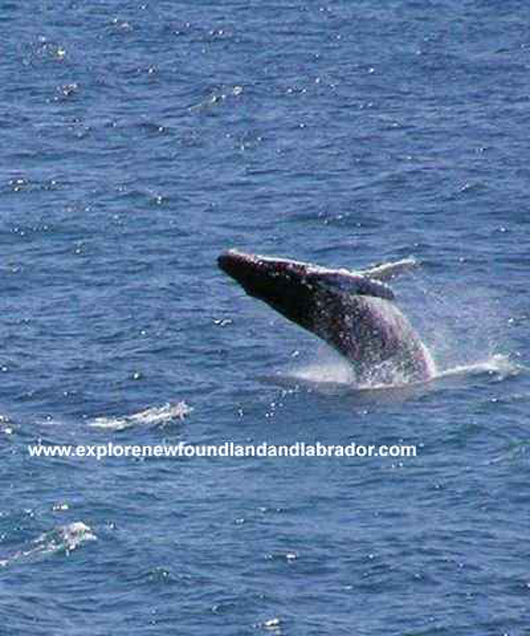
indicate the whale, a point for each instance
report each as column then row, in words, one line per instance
column 352, row 311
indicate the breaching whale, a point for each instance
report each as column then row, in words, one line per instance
column 353, row 312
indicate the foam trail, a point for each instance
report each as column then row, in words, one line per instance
column 153, row 416
column 61, row 539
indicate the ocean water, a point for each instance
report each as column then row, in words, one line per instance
column 139, row 140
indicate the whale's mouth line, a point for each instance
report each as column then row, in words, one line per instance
column 351, row 311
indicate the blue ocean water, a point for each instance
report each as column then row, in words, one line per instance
column 139, row 140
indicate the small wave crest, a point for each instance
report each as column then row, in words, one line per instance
column 152, row 416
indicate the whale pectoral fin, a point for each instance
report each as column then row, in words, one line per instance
column 355, row 284
column 388, row 271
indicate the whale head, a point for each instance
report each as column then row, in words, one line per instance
column 304, row 293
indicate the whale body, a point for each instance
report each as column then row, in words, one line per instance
column 353, row 312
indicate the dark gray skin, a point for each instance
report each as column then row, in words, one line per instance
column 352, row 312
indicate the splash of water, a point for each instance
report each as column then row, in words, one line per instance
column 460, row 325
column 498, row 364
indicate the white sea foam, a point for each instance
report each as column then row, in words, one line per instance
column 5, row 425
column 329, row 371
column 153, row 416
column 61, row 539
column 497, row 364
column 67, row 538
